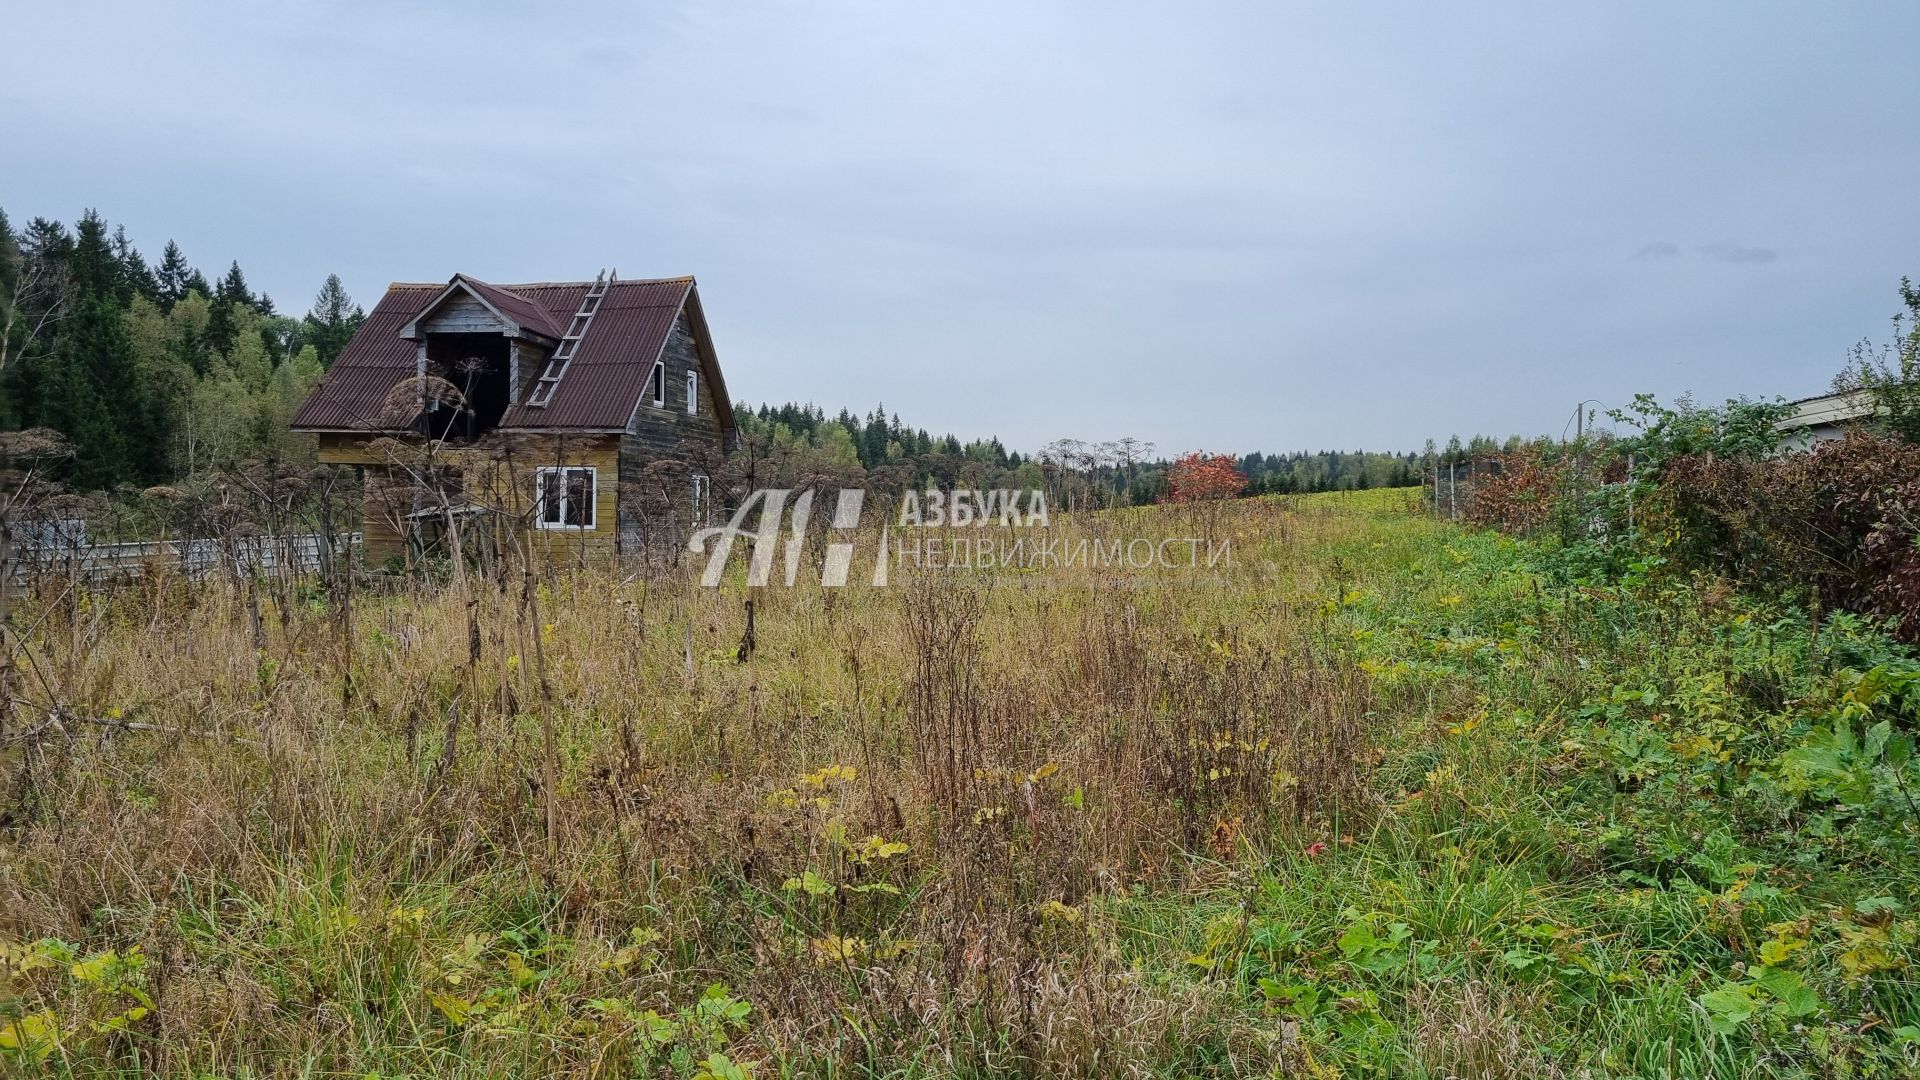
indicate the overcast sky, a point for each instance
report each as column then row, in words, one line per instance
column 1221, row 226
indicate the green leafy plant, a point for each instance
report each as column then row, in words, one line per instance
column 1767, row 992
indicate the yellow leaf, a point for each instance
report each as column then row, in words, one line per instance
column 819, row 780
column 24, row 959
column 123, row 1021
column 877, row 848
column 407, row 916
column 837, row 950
column 1055, row 911
column 94, row 968
column 1775, row 952
column 457, row 1010
column 1866, row 958
column 35, row 1035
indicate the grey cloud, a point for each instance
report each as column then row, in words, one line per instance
column 1659, row 249
column 1736, row 253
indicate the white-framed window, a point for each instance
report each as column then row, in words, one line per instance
column 693, row 392
column 702, row 493
column 564, row 497
column 657, row 383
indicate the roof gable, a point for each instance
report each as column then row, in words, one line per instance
column 520, row 316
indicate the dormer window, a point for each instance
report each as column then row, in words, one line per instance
column 693, row 392
column 657, row 384
column 470, row 336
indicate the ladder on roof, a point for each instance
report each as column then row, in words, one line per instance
column 556, row 366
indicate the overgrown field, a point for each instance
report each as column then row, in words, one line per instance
column 1384, row 798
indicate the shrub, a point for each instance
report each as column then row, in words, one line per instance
column 1707, row 490
column 1200, row 477
column 1838, row 522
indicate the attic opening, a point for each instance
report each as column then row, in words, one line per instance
column 480, row 367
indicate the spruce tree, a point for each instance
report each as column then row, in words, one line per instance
column 93, row 395
column 136, row 278
column 331, row 321
column 233, row 288
column 9, row 256
column 873, row 438
column 92, row 267
column 46, row 246
column 75, row 398
column 172, row 275
column 231, row 293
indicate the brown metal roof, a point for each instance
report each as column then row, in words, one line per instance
column 521, row 310
column 609, row 370
column 350, row 394
column 602, row 385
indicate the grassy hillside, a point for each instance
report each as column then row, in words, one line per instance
column 1383, row 798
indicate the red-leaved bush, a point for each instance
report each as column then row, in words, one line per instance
column 1525, row 490
column 1200, row 477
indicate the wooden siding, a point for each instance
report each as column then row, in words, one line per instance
column 667, row 432
column 528, row 361
column 663, row 428
column 462, row 314
column 602, row 453
column 341, row 448
column 480, row 469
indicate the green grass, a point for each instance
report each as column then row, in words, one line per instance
column 1385, row 798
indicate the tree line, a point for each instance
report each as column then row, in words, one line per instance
column 153, row 373
column 156, row 373
column 1117, row 472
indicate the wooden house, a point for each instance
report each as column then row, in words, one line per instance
column 582, row 417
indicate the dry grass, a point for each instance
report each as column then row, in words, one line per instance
column 366, row 846
column 1477, row 1031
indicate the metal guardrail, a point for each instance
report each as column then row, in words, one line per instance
column 300, row 553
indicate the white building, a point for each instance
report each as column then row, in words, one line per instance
column 1825, row 418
